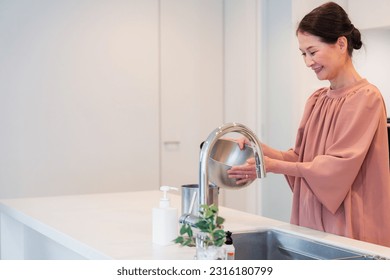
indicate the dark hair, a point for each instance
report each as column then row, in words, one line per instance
column 329, row 22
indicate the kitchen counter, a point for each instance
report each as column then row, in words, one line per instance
column 118, row 226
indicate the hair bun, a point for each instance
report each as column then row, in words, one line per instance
column 356, row 39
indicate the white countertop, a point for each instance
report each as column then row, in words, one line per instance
column 119, row 225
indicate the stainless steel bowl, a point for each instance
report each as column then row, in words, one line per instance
column 224, row 155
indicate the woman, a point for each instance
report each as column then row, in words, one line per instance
column 339, row 168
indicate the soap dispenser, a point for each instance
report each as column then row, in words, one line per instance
column 165, row 220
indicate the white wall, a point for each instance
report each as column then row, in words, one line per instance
column 242, row 87
column 191, row 84
column 278, row 128
column 372, row 60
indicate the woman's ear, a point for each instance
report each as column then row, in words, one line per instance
column 342, row 43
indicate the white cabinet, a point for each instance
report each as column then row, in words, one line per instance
column 363, row 14
column 369, row 14
column 79, row 96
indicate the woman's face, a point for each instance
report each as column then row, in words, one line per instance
column 326, row 60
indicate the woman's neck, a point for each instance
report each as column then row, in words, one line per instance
column 346, row 77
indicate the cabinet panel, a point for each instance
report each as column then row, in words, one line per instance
column 369, row 14
column 191, row 84
column 79, row 96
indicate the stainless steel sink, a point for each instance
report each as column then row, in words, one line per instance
column 278, row 245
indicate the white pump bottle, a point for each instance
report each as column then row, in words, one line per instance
column 165, row 220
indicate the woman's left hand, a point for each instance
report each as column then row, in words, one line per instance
column 247, row 172
column 243, row 173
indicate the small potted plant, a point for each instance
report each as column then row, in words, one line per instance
column 210, row 236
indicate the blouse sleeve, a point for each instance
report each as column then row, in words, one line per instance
column 331, row 175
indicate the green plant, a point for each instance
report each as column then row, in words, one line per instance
column 209, row 223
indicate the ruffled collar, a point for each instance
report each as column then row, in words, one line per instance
column 341, row 92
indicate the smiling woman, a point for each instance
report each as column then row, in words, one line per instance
column 324, row 59
column 338, row 169
column 327, row 39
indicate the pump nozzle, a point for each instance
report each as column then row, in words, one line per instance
column 164, row 201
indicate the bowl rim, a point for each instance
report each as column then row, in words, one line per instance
column 231, row 141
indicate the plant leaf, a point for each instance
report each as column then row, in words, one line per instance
column 208, row 223
column 189, row 232
column 203, row 225
column 183, row 229
column 189, row 242
column 179, row 240
column 213, row 208
column 219, row 234
column 220, row 220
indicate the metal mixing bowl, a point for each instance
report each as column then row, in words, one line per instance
column 224, row 155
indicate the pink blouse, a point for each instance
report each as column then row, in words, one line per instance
column 341, row 182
